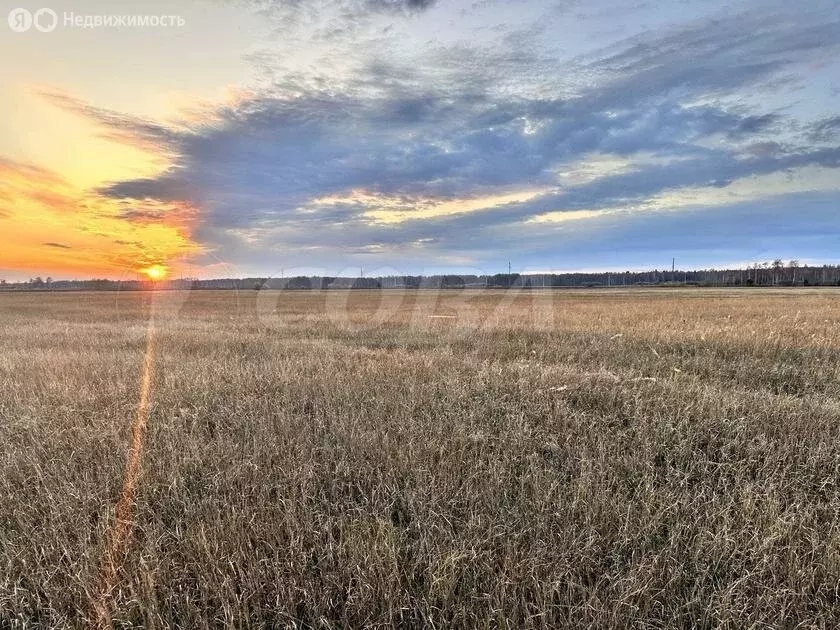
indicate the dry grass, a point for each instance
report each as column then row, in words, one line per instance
column 581, row 459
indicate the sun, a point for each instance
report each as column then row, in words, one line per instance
column 155, row 272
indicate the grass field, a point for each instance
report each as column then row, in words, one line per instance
column 644, row 459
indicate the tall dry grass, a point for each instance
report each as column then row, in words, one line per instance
column 615, row 459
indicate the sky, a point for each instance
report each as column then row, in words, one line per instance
column 286, row 137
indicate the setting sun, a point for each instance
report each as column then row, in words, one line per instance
column 155, row 272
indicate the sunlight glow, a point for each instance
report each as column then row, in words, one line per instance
column 155, row 272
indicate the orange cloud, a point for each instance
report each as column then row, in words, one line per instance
column 49, row 226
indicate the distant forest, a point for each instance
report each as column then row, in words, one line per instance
column 770, row 274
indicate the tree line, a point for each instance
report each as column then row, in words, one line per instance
column 766, row 274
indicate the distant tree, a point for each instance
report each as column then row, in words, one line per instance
column 793, row 265
column 777, row 267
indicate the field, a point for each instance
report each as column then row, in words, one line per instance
column 638, row 458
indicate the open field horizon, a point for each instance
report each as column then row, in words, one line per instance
column 342, row 314
column 617, row 458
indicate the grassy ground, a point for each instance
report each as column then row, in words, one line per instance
column 586, row 459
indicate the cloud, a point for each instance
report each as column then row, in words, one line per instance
column 716, row 55
column 734, row 233
column 122, row 128
column 825, row 130
column 163, row 188
column 401, row 5
column 443, row 124
column 36, row 204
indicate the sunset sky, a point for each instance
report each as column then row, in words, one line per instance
column 409, row 136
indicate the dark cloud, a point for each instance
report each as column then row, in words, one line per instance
column 136, row 215
column 825, row 130
column 59, row 245
column 164, row 188
column 475, row 230
column 751, row 125
column 401, row 5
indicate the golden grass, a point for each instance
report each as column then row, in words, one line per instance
column 118, row 536
column 644, row 458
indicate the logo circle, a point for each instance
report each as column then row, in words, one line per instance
column 50, row 25
column 20, row 20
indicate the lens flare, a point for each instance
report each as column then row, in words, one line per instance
column 117, row 536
